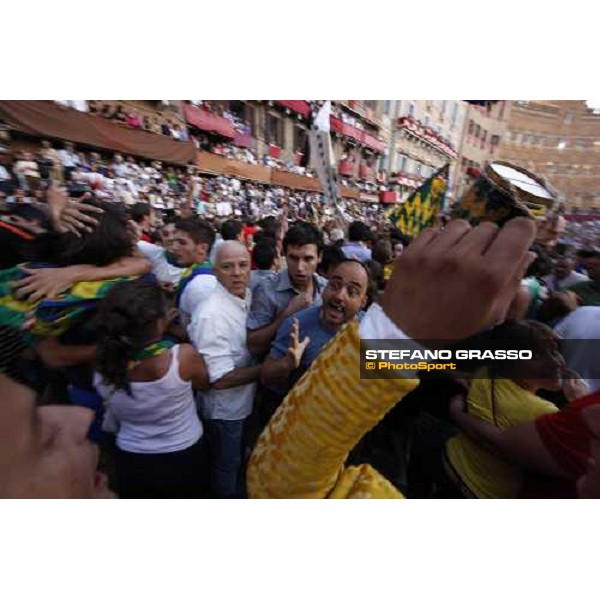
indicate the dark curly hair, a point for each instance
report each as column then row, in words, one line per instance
column 126, row 323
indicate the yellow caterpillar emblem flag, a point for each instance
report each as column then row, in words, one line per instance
column 420, row 209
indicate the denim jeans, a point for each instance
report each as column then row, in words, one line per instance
column 225, row 442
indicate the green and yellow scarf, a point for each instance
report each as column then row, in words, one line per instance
column 190, row 273
column 54, row 316
column 150, row 351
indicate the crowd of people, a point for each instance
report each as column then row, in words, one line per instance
column 201, row 336
column 114, row 178
column 168, row 125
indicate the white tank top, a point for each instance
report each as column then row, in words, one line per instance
column 158, row 417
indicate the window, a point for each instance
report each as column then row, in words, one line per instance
column 244, row 112
column 581, row 143
column 455, row 112
column 495, row 140
column 411, row 110
column 387, row 107
column 483, row 136
column 299, row 138
column 252, row 118
column 444, row 104
column 471, row 127
column 477, row 131
column 274, row 130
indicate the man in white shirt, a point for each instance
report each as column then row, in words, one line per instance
column 68, row 159
column 224, row 208
column 119, row 167
column 564, row 275
column 219, row 333
column 192, row 242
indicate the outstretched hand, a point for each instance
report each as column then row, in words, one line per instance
column 297, row 347
column 68, row 215
column 43, row 283
column 454, row 282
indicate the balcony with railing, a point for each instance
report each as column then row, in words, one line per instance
column 366, row 173
column 406, row 179
column 347, row 168
column 359, row 108
column 300, row 107
column 358, row 135
column 425, row 134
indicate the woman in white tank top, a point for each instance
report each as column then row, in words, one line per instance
column 148, row 385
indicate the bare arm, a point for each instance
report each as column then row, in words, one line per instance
column 520, row 444
column 237, row 377
column 193, row 368
column 130, row 265
column 49, row 283
column 56, row 355
column 276, row 371
column 259, row 340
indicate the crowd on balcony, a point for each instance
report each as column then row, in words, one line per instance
column 24, row 177
column 142, row 119
column 344, row 116
column 169, row 125
column 241, row 126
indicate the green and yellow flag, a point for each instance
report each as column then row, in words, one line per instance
column 421, row 208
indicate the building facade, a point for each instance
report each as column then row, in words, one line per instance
column 484, row 130
column 559, row 140
column 426, row 135
column 280, row 128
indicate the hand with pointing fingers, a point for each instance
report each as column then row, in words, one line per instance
column 297, row 347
